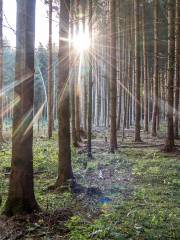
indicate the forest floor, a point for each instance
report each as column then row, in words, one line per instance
column 132, row 194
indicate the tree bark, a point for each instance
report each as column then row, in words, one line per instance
column 169, row 144
column 155, row 75
column 21, row 198
column 72, row 87
column 137, row 74
column 77, row 82
column 89, row 143
column 113, row 80
column 50, row 83
column 1, row 71
column 65, row 169
column 177, row 68
column 146, row 122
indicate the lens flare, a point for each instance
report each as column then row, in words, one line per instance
column 81, row 42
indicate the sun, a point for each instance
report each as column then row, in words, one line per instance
column 81, row 42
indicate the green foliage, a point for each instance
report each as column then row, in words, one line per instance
column 103, row 228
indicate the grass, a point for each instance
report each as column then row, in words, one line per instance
column 150, row 212
column 145, row 208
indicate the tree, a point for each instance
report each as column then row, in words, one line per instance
column 137, row 73
column 146, row 122
column 177, row 68
column 72, row 89
column 65, row 169
column 155, row 76
column 113, row 80
column 169, row 144
column 1, row 71
column 21, row 198
column 90, row 85
column 50, row 99
column 77, row 82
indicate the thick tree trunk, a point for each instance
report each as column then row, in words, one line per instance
column 155, row 74
column 1, row 71
column 137, row 74
column 50, row 83
column 65, row 169
column 21, row 197
column 113, row 80
column 177, row 74
column 169, row 144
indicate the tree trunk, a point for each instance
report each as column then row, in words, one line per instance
column 146, row 122
column 21, row 197
column 177, row 74
column 1, row 71
column 169, row 144
column 137, row 74
column 72, row 89
column 50, row 99
column 65, row 169
column 77, row 76
column 113, row 80
column 89, row 144
column 155, row 75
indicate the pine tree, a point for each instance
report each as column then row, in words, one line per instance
column 90, row 86
column 113, row 80
column 177, row 68
column 1, row 71
column 21, row 198
column 137, row 73
column 50, row 86
column 65, row 169
column 169, row 144
column 155, row 75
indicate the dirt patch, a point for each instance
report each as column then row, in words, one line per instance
column 35, row 226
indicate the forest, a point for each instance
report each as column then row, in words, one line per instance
column 90, row 125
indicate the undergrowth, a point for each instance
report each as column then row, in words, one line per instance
column 147, row 208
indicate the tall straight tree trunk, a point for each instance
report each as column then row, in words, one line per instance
column 1, row 71
column 50, row 83
column 77, row 85
column 169, row 144
column 155, row 74
column 65, row 169
column 21, row 197
column 177, row 74
column 89, row 143
column 72, row 86
column 113, row 80
column 146, row 122
column 84, row 4
column 137, row 74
